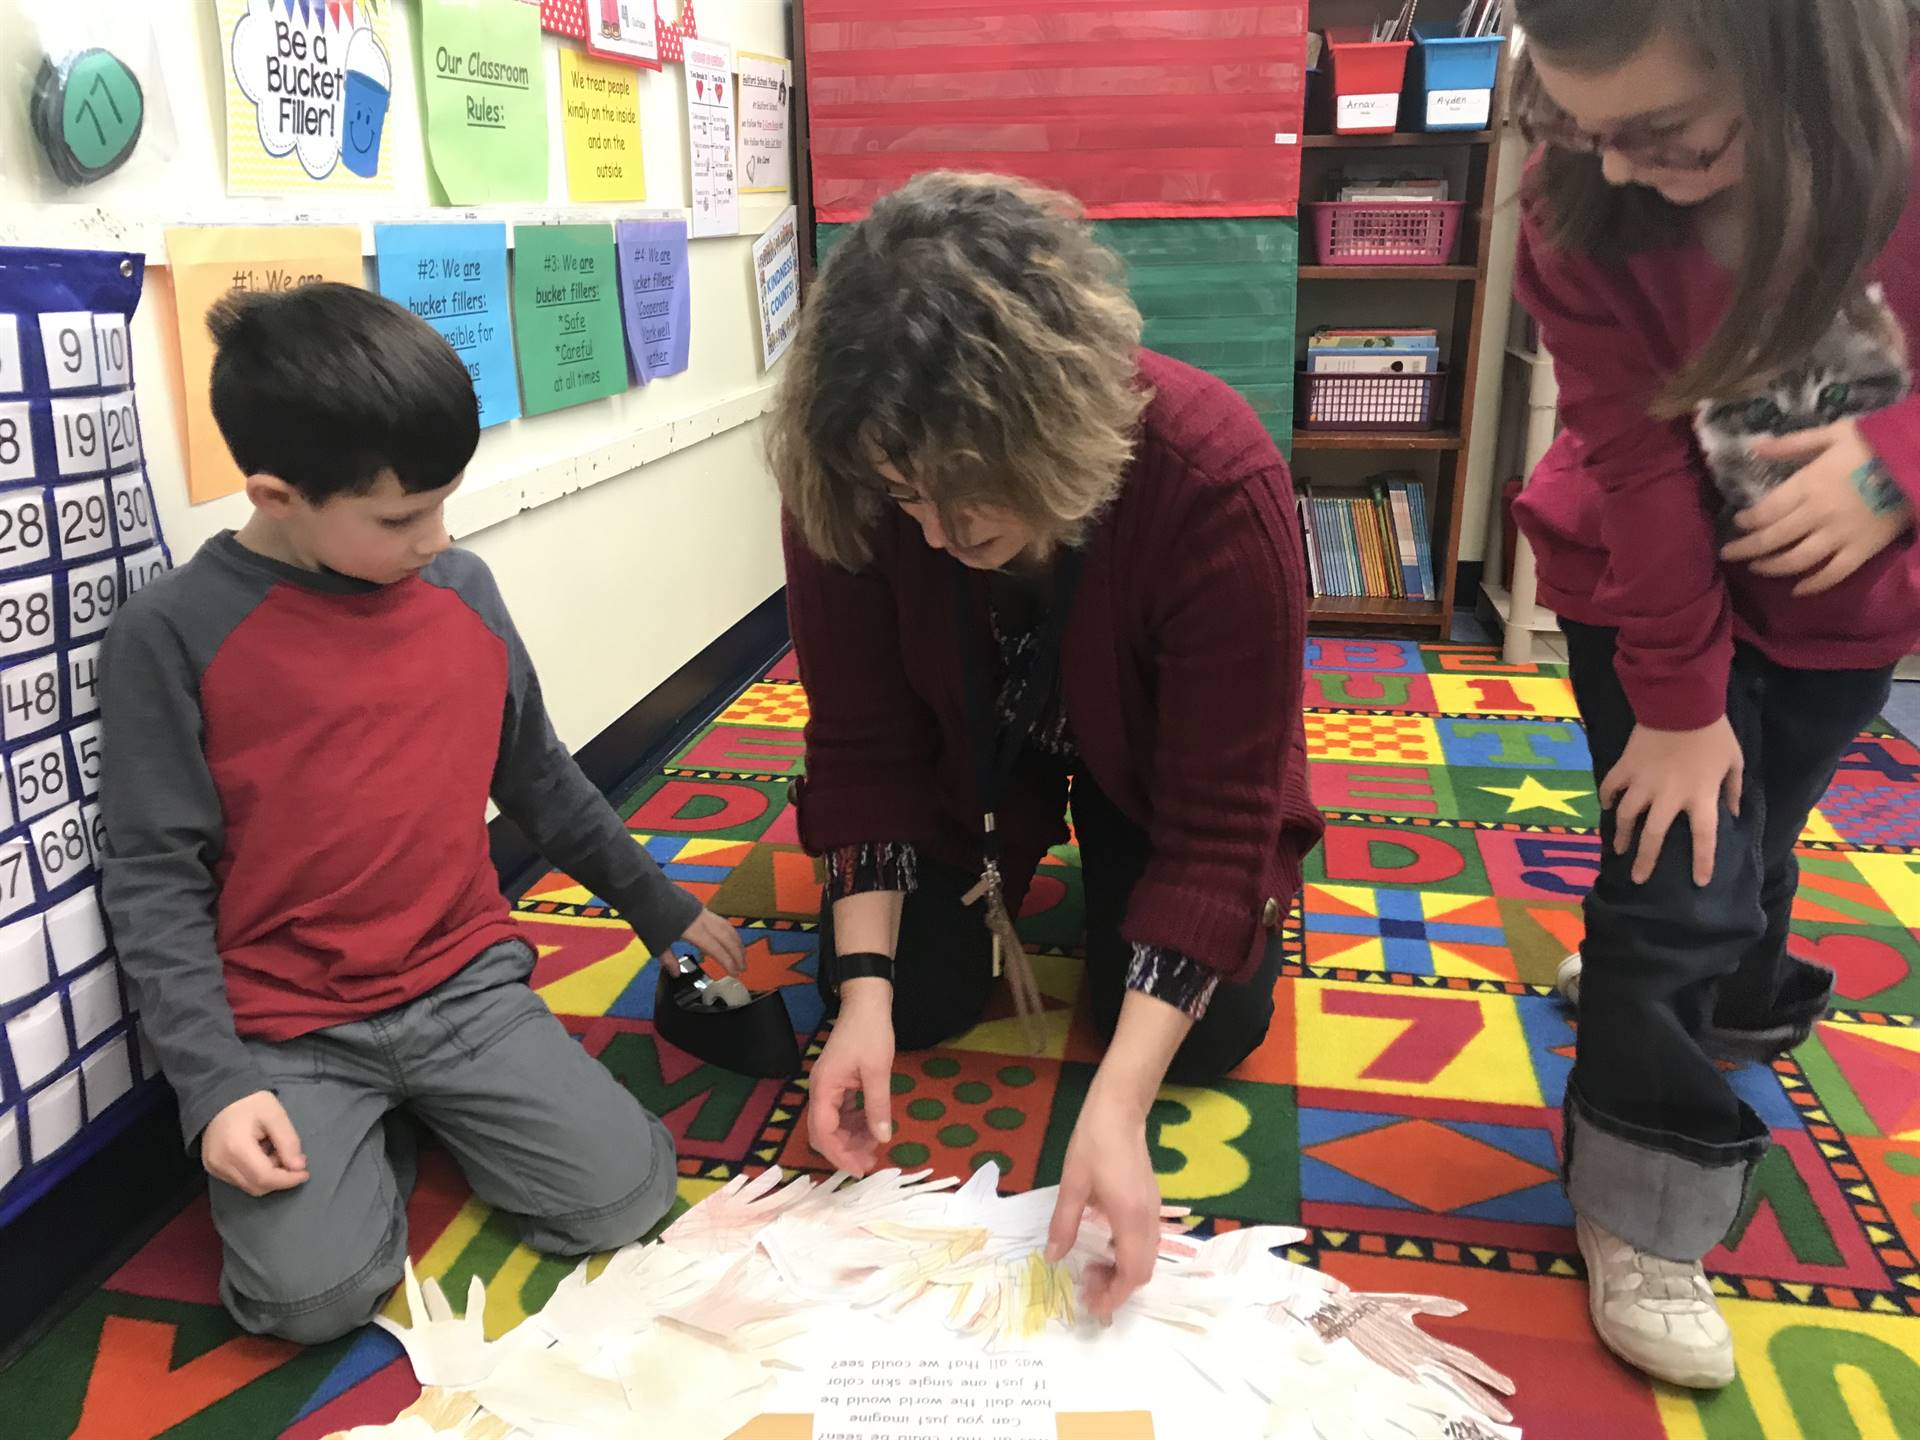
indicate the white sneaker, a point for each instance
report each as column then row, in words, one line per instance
column 1567, row 979
column 1657, row 1315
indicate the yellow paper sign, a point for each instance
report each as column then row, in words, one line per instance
column 207, row 262
column 600, row 106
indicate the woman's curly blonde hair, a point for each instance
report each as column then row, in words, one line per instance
column 972, row 333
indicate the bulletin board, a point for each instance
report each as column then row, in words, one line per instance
column 650, row 411
column 523, row 463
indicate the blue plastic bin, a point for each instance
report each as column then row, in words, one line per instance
column 1450, row 80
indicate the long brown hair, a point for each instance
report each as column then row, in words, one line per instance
column 973, row 333
column 1823, row 84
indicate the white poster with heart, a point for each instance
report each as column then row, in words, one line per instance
column 710, row 101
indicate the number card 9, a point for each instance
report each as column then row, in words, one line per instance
column 73, row 361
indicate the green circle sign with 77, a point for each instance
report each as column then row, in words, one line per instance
column 102, row 111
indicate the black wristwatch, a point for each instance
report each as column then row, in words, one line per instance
column 858, row 966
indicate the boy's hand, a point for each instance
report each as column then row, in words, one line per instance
column 252, row 1146
column 716, row 938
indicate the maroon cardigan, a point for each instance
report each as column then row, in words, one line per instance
column 1181, row 675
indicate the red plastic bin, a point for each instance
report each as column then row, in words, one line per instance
column 1385, row 232
column 1367, row 75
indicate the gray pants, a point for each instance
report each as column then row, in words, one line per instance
column 540, row 1128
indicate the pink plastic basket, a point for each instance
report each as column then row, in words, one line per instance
column 1386, row 232
column 1370, row 402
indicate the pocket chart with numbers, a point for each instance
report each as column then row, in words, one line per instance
column 78, row 535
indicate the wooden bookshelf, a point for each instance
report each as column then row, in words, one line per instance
column 1403, row 140
column 1380, row 440
column 1337, row 610
column 1469, row 155
column 1429, row 273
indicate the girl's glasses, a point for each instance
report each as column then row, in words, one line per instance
column 1641, row 147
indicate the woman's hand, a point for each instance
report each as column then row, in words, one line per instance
column 715, row 937
column 855, row 1070
column 1829, row 518
column 1668, row 773
column 1107, row 1165
column 1107, row 1168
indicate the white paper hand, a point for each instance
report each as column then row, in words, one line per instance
column 728, row 1219
column 444, row 1348
column 562, row 1389
column 1382, row 1328
column 637, row 1284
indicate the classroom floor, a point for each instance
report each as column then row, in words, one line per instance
column 1404, row 1106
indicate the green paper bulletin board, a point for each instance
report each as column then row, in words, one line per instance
column 1218, row 294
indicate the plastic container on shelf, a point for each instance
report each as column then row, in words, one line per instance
column 1366, row 77
column 1450, row 80
column 1385, row 232
column 1370, row 402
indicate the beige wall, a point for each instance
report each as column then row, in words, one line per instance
column 615, row 586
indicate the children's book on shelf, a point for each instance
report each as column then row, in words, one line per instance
column 1369, row 543
column 1388, row 182
column 1333, row 350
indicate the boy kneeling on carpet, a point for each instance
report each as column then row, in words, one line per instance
column 303, row 725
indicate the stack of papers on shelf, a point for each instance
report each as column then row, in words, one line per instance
column 1374, row 351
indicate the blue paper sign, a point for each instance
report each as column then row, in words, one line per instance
column 654, row 295
column 455, row 278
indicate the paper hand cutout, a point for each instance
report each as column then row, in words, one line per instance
column 731, row 1216
column 445, row 1349
column 638, row 1283
column 1381, row 1328
column 437, row 1415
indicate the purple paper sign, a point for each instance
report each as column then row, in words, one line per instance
column 654, row 295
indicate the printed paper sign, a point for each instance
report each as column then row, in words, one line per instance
column 207, row 262
column 776, row 274
column 654, row 295
column 454, row 277
column 1367, row 112
column 566, row 316
column 881, row 1397
column 625, row 30
column 716, row 187
column 764, row 85
column 307, row 93
column 486, row 97
column 1459, row 107
column 600, row 109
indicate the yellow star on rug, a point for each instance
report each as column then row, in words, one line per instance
column 1530, row 794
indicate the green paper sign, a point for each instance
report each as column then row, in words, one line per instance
column 566, row 316
column 102, row 113
column 486, row 95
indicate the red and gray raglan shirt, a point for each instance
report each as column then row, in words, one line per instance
column 296, row 775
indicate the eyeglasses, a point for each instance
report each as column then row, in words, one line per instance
column 1655, row 148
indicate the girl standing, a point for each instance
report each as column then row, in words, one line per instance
column 1719, row 250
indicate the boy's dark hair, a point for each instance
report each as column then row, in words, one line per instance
column 326, row 385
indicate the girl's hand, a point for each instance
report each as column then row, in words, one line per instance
column 1832, row 516
column 855, row 1071
column 1107, row 1168
column 1668, row 773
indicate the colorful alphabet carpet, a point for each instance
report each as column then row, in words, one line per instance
column 1404, row 1107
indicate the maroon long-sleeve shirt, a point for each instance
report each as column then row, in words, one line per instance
column 1622, row 513
column 1180, row 671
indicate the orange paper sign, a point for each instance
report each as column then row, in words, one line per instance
column 207, row 262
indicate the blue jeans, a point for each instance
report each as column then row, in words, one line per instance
column 1659, row 1148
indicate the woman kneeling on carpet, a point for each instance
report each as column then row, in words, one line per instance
column 1030, row 562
